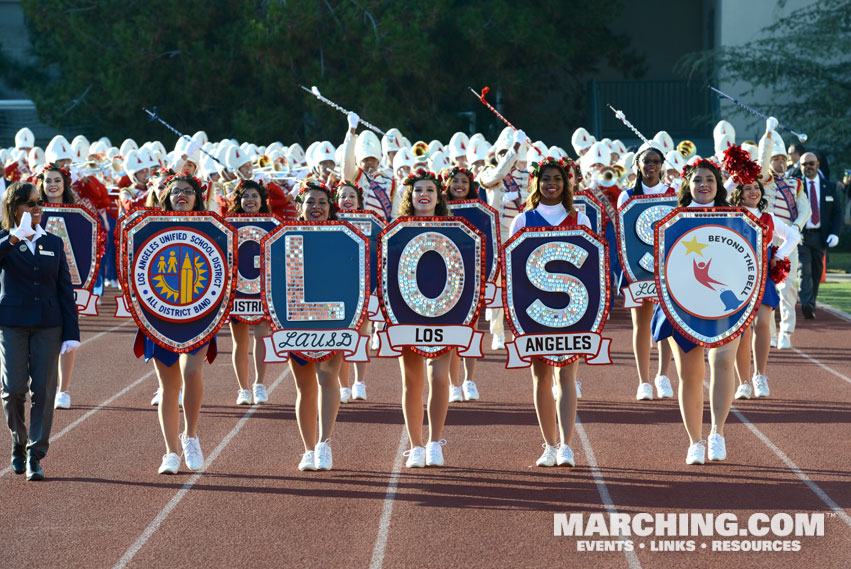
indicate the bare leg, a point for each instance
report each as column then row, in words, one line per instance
column 413, row 381
column 665, row 356
column 66, row 368
column 306, row 407
column 344, row 375
column 721, row 382
column 438, row 393
column 469, row 368
column 743, row 357
column 691, row 369
column 327, row 373
column 240, row 335
column 168, row 410
column 641, row 342
column 566, row 404
column 191, row 365
column 545, row 407
column 261, row 330
column 762, row 338
column 455, row 369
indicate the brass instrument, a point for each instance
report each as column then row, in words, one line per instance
column 687, row 149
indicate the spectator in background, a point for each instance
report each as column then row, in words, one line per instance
column 820, row 232
column 795, row 152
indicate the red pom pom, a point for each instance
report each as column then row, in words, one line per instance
column 780, row 269
column 738, row 163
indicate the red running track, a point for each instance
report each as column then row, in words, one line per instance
column 103, row 505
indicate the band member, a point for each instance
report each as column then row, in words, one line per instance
column 249, row 197
column 504, row 185
column 752, row 197
column 550, row 204
column 317, row 383
column 423, row 197
column 348, row 197
column 648, row 164
column 174, row 370
column 461, row 185
column 703, row 186
column 361, row 164
column 37, row 324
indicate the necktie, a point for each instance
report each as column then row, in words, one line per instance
column 814, row 203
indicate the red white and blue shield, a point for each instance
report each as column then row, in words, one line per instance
column 710, row 272
column 636, row 250
column 251, row 229
column 122, row 300
column 84, row 240
column 485, row 219
column 585, row 202
column 555, row 286
column 369, row 224
column 315, row 279
column 432, row 286
column 182, row 272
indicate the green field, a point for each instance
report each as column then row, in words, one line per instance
column 839, row 261
column 837, row 295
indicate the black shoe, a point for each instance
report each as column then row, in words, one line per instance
column 809, row 311
column 19, row 458
column 34, row 469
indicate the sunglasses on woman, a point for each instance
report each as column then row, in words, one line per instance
column 33, row 203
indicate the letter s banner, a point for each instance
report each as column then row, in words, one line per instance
column 485, row 219
column 182, row 272
column 432, row 278
column 315, row 281
column 710, row 272
column 84, row 240
column 555, row 287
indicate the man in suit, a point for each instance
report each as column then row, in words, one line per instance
column 820, row 231
column 795, row 152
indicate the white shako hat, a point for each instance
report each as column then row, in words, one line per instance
column 308, row 154
column 478, row 150
column 437, row 161
column 391, row 141
column 436, row 146
column 664, row 142
column 133, row 162
column 58, row 149
column 126, row 146
column 778, row 146
column 295, row 155
column 324, row 151
column 674, row 160
column 558, row 152
column 24, row 138
column 458, row 145
column 598, row 154
column 236, row 157
column 403, row 158
column 723, row 129
column 35, row 158
column 722, row 143
column 367, row 146
column 581, row 140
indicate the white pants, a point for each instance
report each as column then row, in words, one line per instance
column 788, row 291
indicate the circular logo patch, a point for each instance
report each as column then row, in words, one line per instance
column 179, row 275
column 711, row 272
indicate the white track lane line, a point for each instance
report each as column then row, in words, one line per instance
column 107, row 331
column 73, row 425
column 821, row 365
column 602, row 489
column 802, row 476
column 387, row 510
column 163, row 514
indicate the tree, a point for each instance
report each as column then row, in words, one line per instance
column 803, row 59
column 233, row 68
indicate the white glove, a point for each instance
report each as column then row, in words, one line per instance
column 770, row 124
column 69, row 346
column 520, row 137
column 832, row 240
column 510, row 196
column 353, row 119
column 25, row 228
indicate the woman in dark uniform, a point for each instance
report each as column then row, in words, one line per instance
column 38, row 321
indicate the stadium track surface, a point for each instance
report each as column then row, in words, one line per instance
column 103, row 505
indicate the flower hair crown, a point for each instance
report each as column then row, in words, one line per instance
column 562, row 163
column 422, row 174
column 54, row 166
column 461, row 170
column 177, row 177
column 308, row 185
column 346, row 184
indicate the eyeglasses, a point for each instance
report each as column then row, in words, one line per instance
column 656, row 162
column 809, row 163
column 33, row 203
column 183, row 191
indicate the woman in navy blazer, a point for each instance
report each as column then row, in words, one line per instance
column 38, row 321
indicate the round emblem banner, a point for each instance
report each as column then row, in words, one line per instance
column 711, row 272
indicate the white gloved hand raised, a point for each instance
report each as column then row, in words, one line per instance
column 510, row 196
column 771, row 124
column 832, row 240
column 520, row 137
column 353, row 119
column 25, row 229
column 69, row 346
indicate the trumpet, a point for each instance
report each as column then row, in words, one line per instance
column 605, row 177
